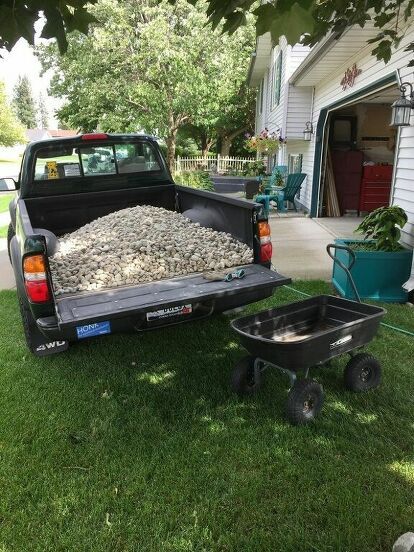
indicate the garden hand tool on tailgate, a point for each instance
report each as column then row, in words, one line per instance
column 221, row 275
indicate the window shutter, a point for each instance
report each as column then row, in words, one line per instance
column 278, row 78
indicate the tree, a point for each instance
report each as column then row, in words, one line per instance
column 234, row 115
column 43, row 112
column 19, row 17
column 11, row 131
column 237, row 117
column 23, row 102
column 308, row 21
column 148, row 66
column 305, row 21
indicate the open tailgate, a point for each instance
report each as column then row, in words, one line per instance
column 136, row 301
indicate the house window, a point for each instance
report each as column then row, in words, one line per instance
column 277, row 79
column 295, row 162
column 295, row 165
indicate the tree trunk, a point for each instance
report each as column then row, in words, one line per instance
column 225, row 146
column 206, row 144
column 227, row 139
column 171, row 141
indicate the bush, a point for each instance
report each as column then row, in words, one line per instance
column 257, row 168
column 197, row 179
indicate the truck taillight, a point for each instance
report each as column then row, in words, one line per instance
column 265, row 254
column 35, row 279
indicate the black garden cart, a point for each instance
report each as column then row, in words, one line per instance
column 298, row 336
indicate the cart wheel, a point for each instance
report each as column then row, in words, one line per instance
column 363, row 372
column 245, row 380
column 304, row 402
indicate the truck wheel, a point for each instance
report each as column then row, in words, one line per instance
column 363, row 372
column 29, row 325
column 245, row 380
column 304, row 402
column 10, row 235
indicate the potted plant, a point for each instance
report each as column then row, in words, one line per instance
column 265, row 143
column 382, row 264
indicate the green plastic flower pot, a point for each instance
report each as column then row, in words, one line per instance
column 378, row 275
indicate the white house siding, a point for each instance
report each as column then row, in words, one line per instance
column 329, row 91
column 299, row 111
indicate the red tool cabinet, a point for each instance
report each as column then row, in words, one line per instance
column 375, row 187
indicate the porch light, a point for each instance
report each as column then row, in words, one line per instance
column 401, row 108
column 307, row 133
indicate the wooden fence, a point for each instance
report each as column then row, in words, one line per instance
column 216, row 164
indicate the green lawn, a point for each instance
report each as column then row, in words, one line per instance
column 4, row 202
column 3, row 231
column 134, row 442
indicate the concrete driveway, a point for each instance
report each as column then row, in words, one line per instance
column 299, row 246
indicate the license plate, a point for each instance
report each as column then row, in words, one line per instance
column 97, row 328
column 181, row 310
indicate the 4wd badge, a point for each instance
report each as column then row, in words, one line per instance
column 50, row 348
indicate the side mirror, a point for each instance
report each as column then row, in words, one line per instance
column 7, row 184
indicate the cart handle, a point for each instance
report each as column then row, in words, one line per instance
column 346, row 269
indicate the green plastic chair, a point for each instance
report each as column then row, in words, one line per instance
column 282, row 194
column 288, row 193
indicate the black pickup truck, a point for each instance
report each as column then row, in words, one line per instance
column 65, row 184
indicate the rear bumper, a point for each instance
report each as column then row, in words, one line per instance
column 126, row 308
column 138, row 321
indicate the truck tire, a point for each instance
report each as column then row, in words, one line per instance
column 29, row 325
column 10, row 235
column 304, row 402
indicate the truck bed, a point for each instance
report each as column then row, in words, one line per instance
column 74, row 310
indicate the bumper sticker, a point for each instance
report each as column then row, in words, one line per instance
column 97, row 328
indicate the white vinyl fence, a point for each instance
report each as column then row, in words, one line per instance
column 216, row 164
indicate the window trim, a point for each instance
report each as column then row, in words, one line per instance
column 277, row 79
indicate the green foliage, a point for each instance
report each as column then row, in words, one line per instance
column 148, row 66
column 11, row 131
column 308, row 21
column 43, row 113
column 257, row 168
column 186, row 146
column 383, row 225
column 23, row 102
column 195, row 179
column 18, row 19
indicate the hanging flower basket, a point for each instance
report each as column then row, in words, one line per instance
column 266, row 142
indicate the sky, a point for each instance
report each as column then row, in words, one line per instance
column 22, row 61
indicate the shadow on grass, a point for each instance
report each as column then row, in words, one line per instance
column 151, row 415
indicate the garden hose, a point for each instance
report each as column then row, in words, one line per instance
column 395, row 328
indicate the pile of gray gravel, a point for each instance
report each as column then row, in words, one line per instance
column 137, row 245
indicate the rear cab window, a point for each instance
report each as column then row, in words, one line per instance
column 62, row 162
